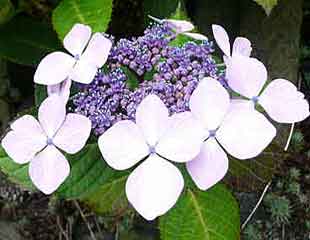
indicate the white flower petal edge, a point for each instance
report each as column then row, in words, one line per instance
column 73, row 133
column 25, row 140
column 242, row 46
column 52, row 113
column 210, row 166
column 154, row 187
column 77, row 38
column 123, row 145
column 182, row 140
column 54, row 68
column 245, row 132
column 246, row 76
column 61, row 89
column 221, row 38
column 152, row 117
column 283, row 102
column 209, row 103
column 49, row 169
column 180, row 26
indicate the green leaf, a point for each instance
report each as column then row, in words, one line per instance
column 209, row 215
column 95, row 13
column 93, row 181
column 267, row 5
column 253, row 174
column 159, row 8
column 40, row 93
column 17, row 173
column 6, row 11
column 25, row 41
column 132, row 80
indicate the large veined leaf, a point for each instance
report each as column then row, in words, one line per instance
column 25, row 41
column 95, row 13
column 268, row 5
column 209, row 215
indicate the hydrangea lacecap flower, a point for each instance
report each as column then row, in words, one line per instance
column 155, row 185
column 88, row 53
column 40, row 142
column 247, row 76
column 228, row 125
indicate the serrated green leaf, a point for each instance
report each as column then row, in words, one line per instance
column 6, row 11
column 95, row 13
column 17, row 173
column 25, row 41
column 209, row 215
column 267, row 5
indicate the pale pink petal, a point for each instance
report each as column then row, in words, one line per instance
column 61, row 89
column 83, row 71
column 241, row 103
column 180, row 26
column 123, row 145
column 283, row 102
column 154, row 187
column 221, row 38
column 245, row 133
column 51, row 114
column 76, row 40
column 73, row 134
column 54, row 68
column 98, row 50
column 209, row 103
column 196, row 36
column 182, row 140
column 153, row 118
column 49, row 169
column 210, row 166
column 26, row 139
column 246, row 76
column 242, row 46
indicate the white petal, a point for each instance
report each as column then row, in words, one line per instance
column 180, row 26
column 210, row 166
column 154, row 187
column 51, row 114
column 83, row 71
column 242, row 46
column 283, row 102
column 246, row 76
column 61, row 89
column 49, row 169
column 196, row 36
column 209, row 103
column 26, row 139
column 221, row 38
column 73, row 134
column 123, row 145
column 245, row 133
column 98, row 50
column 182, row 140
column 54, row 68
column 76, row 40
column 153, row 118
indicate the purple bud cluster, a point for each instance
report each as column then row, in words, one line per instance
column 101, row 100
column 142, row 53
column 175, row 73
